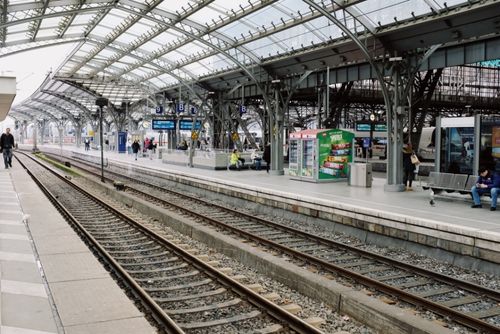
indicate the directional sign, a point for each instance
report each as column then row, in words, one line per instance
column 180, row 107
column 163, row 124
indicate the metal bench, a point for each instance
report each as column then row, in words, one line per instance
column 451, row 182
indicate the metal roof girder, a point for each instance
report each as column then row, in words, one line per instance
column 35, row 24
column 360, row 45
column 57, row 107
column 181, row 80
column 236, row 61
column 27, row 19
column 37, row 5
column 217, row 25
column 118, row 31
column 24, row 113
column 43, row 111
column 67, row 20
column 3, row 31
column 64, row 98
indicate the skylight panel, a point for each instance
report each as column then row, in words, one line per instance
column 266, row 47
column 101, row 30
column 207, row 14
column 18, row 28
column 177, row 5
column 384, row 11
column 190, row 48
column 83, row 18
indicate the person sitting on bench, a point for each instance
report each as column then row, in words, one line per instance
column 486, row 184
column 236, row 161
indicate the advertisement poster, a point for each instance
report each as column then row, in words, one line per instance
column 335, row 153
column 495, row 141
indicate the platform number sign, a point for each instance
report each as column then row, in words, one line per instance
column 242, row 109
column 180, row 107
column 159, row 109
column 194, row 110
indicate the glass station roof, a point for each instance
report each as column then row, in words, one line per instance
column 130, row 49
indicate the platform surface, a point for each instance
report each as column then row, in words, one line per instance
column 413, row 204
column 50, row 281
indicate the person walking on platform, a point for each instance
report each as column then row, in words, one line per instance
column 266, row 156
column 486, row 183
column 87, row 144
column 6, row 146
column 408, row 167
column 135, row 148
column 150, row 148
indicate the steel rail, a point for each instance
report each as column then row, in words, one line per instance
column 277, row 312
column 401, row 294
column 163, row 319
column 380, row 286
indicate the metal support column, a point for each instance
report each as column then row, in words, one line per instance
column 35, row 126
column 276, row 122
column 395, row 113
column 477, row 143
column 437, row 145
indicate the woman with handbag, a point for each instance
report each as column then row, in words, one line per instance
column 408, row 166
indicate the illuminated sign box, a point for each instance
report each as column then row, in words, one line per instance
column 188, row 125
column 163, row 124
column 379, row 127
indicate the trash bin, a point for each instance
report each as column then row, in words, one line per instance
column 360, row 174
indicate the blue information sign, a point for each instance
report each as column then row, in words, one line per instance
column 180, row 107
column 163, row 124
column 380, row 127
column 242, row 109
column 188, row 124
column 159, row 109
column 362, row 127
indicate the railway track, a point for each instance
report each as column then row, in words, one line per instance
column 183, row 293
column 464, row 302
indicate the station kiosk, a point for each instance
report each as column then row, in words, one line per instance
column 320, row 155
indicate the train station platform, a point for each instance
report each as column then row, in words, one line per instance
column 450, row 229
column 49, row 280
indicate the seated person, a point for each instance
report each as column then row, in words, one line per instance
column 183, row 146
column 235, row 160
column 486, row 183
column 256, row 158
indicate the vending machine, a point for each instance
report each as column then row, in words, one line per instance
column 320, row 155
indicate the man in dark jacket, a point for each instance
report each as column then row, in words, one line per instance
column 266, row 156
column 486, row 183
column 135, row 148
column 6, row 146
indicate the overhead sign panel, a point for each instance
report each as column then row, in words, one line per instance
column 185, row 124
column 163, row 124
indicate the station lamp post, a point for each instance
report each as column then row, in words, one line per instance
column 101, row 102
